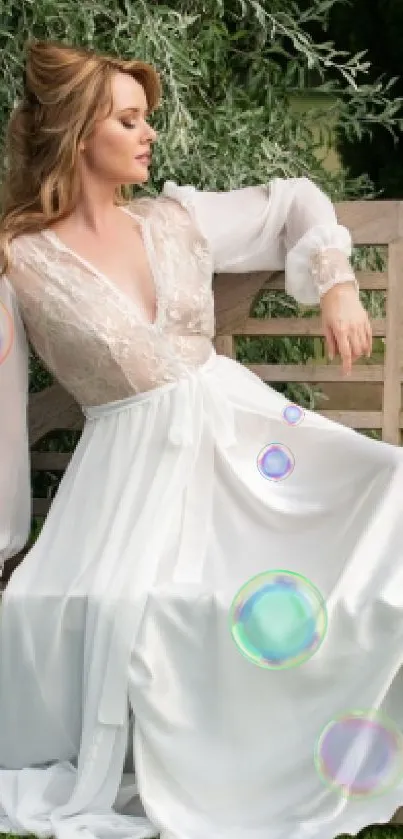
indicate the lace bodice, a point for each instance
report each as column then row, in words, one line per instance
column 99, row 344
column 91, row 336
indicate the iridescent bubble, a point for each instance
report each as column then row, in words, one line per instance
column 275, row 462
column 360, row 753
column 293, row 414
column 6, row 332
column 278, row 619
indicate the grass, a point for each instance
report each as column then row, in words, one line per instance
column 380, row 831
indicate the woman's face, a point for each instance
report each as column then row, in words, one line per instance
column 119, row 148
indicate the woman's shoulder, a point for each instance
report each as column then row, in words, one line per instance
column 24, row 241
column 31, row 263
column 24, row 248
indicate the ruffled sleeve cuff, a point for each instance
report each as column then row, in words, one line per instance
column 318, row 261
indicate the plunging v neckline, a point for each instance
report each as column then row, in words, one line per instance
column 149, row 251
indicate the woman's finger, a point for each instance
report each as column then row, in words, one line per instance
column 344, row 347
column 368, row 333
column 330, row 342
column 357, row 341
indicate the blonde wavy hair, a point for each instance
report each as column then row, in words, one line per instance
column 66, row 90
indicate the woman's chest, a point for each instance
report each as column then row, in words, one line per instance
column 128, row 269
column 183, row 275
column 119, row 259
column 161, row 276
column 70, row 309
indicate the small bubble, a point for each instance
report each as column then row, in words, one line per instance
column 293, row 414
column 6, row 332
column 275, row 462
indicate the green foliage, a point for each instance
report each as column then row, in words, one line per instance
column 380, row 33
column 229, row 70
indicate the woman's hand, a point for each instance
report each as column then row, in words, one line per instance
column 346, row 325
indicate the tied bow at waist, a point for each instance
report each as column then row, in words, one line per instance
column 200, row 397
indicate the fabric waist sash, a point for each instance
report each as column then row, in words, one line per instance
column 197, row 381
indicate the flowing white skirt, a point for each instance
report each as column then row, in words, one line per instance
column 123, row 606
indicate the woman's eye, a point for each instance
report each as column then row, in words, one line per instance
column 134, row 124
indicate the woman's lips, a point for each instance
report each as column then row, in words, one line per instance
column 144, row 158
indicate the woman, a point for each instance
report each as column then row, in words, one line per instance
column 121, row 607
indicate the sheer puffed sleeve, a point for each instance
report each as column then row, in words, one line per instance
column 289, row 224
column 15, row 493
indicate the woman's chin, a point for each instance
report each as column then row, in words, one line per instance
column 142, row 174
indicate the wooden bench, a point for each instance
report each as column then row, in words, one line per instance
column 371, row 223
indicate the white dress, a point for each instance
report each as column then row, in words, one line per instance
column 123, row 603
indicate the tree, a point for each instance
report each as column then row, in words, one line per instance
column 379, row 31
column 230, row 69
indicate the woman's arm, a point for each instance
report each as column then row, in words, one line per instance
column 15, row 490
column 289, row 224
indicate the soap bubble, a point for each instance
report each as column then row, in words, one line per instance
column 6, row 332
column 360, row 753
column 293, row 414
column 275, row 462
column 278, row 619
